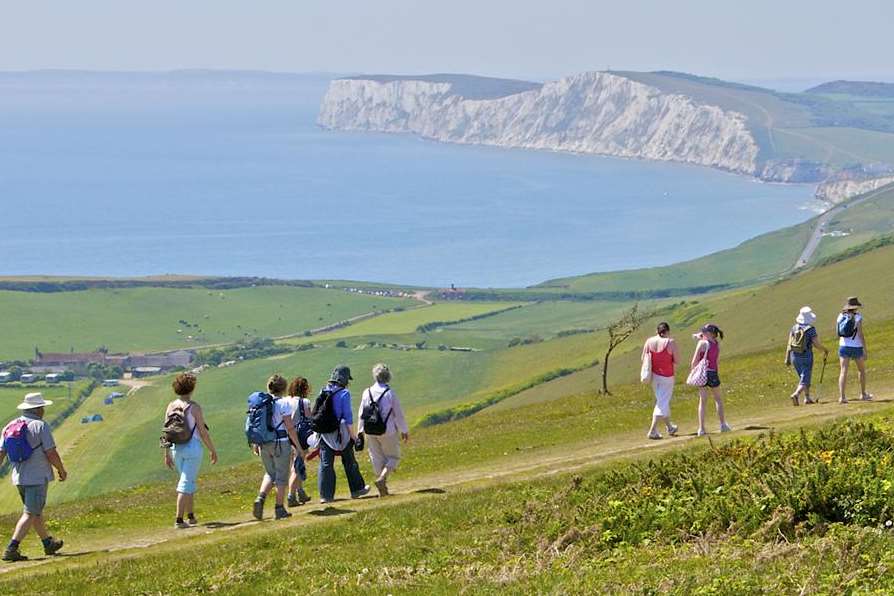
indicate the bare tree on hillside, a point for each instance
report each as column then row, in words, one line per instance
column 619, row 332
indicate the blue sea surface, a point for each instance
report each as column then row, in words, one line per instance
column 227, row 174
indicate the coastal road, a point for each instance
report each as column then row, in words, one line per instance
column 822, row 222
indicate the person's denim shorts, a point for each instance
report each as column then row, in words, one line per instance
column 849, row 352
column 713, row 379
column 803, row 364
column 34, row 498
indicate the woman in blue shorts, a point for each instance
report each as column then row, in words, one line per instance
column 852, row 347
column 187, row 457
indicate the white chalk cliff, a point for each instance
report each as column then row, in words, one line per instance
column 595, row 113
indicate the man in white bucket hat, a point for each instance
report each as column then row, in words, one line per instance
column 31, row 450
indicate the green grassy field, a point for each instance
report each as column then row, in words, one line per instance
column 146, row 319
column 496, row 535
column 759, row 258
column 432, row 380
column 835, row 145
column 12, row 394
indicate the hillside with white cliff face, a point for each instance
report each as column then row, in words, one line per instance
column 597, row 113
column 659, row 116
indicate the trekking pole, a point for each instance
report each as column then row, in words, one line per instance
column 822, row 374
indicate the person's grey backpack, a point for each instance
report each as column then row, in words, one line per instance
column 373, row 422
column 176, row 430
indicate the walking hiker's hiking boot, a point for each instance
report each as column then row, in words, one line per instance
column 303, row 497
column 281, row 513
column 179, row 524
column 13, row 555
column 293, row 500
column 382, row 487
column 326, row 501
column 52, row 547
column 191, row 520
column 361, row 493
column 866, row 397
column 672, row 430
column 653, row 436
column 257, row 509
column 725, row 428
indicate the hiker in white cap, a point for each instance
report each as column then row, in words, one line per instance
column 29, row 446
column 802, row 338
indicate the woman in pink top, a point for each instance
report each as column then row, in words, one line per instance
column 708, row 347
column 662, row 350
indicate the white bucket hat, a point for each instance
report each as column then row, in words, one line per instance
column 806, row 316
column 34, row 400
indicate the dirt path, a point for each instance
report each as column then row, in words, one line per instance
column 515, row 467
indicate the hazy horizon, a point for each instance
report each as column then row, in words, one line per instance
column 761, row 41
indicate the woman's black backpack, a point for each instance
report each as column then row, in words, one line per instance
column 322, row 417
column 373, row 422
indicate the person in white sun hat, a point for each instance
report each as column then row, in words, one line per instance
column 802, row 338
column 29, row 446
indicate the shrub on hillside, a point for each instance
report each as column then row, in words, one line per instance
column 773, row 488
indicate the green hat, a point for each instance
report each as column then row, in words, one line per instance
column 341, row 374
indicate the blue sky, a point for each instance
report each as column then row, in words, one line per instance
column 755, row 40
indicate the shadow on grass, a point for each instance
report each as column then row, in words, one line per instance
column 430, row 491
column 217, row 525
column 330, row 512
column 756, row 427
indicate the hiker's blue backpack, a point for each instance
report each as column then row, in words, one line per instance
column 259, row 427
column 15, row 441
column 847, row 326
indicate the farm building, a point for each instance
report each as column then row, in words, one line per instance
column 168, row 361
column 145, row 371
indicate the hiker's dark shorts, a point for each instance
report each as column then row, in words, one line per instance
column 34, row 498
column 852, row 353
column 713, row 379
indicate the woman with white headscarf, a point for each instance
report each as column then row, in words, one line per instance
column 802, row 338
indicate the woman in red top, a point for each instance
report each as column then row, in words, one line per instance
column 663, row 352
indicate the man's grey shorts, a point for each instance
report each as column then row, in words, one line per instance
column 34, row 497
column 277, row 458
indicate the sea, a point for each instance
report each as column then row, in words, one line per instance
column 226, row 173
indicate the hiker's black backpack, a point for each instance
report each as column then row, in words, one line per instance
column 373, row 423
column 847, row 326
column 176, row 429
column 322, row 417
